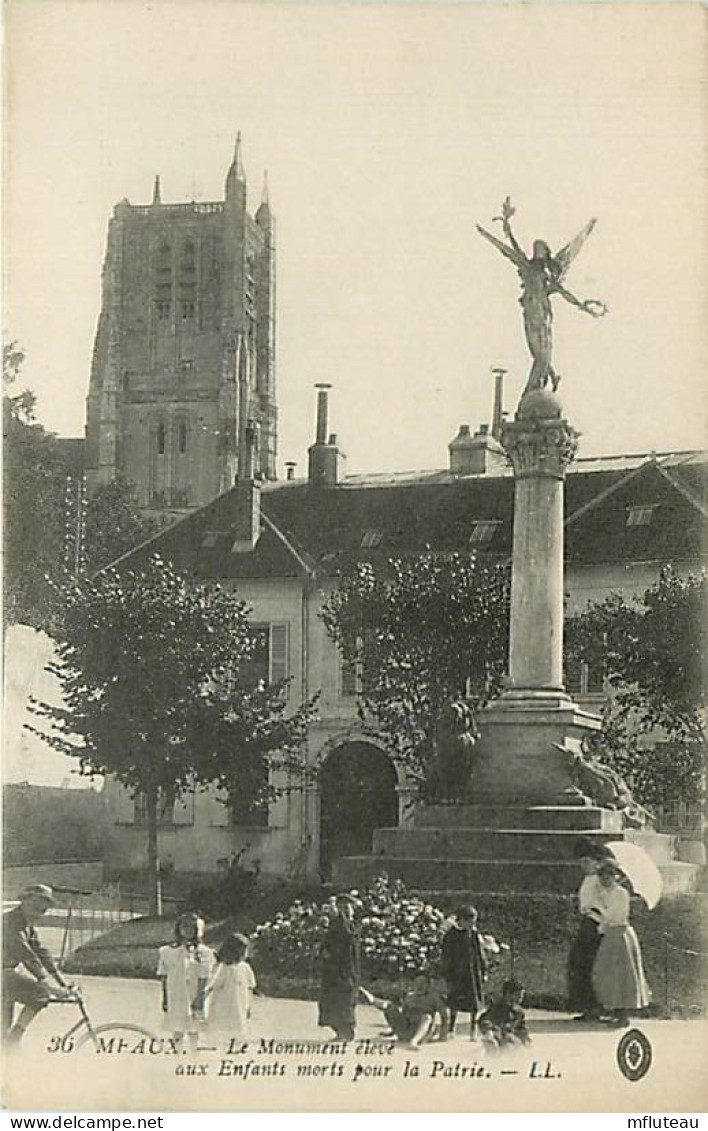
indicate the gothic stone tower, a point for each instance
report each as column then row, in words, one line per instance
column 184, row 358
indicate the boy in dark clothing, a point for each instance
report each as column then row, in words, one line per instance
column 503, row 1025
column 464, row 967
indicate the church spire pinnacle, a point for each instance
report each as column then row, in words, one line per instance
column 236, row 176
column 237, row 164
column 156, row 198
column 263, row 215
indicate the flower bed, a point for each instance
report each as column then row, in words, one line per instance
column 399, row 932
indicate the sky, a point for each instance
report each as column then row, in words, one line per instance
column 388, row 133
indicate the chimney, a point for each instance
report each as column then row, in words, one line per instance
column 247, row 523
column 290, row 466
column 324, row 455
column 321, row 431
column 497, row 412
column 473, row 455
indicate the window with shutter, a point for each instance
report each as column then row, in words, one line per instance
column 123, row 805
column 350, row 682
column 219, row 812
column 169, row 811
column 279, row 649
column 183, row 810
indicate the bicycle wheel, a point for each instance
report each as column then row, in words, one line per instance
column 114, row 1038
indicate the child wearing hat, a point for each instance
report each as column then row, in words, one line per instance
column 21, row 947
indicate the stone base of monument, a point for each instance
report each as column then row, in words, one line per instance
column 467, row 850
column 518, row 760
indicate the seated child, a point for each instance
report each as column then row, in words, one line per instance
column 421, row 1014
column 503, row 1024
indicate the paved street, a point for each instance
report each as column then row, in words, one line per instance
column 568, row 1067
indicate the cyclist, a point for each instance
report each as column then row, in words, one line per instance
column 21, row 947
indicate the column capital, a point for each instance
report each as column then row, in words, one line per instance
column 539, row 441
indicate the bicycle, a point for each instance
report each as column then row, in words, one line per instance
column 109, row 1037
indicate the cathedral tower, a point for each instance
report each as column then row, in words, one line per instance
column 184, row 358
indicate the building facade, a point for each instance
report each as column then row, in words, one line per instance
column 184, row 359
column 283, row 548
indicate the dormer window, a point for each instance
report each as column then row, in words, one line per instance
column 640, row 516
column 370, row 539
column 483, row 531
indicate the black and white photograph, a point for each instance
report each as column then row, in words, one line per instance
column 355, row 517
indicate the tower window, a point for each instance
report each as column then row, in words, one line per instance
column 187, row 311
column 161, row 439
column 182, row 436
column 163, row 281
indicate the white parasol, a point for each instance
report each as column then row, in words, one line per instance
column 639, row 868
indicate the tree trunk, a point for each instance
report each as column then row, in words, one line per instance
column 153, row 859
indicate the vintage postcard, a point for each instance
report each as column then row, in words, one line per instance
column 354, row 536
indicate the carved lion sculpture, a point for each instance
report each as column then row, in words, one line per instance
column 455, row 739
column 603, row 786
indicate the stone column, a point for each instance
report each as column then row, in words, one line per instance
column 540, row 444
column 528, row 734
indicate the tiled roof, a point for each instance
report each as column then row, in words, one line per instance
column 326, row 529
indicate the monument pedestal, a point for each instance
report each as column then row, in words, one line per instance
column 516, row 829
column 516, row 759
column 472, row 849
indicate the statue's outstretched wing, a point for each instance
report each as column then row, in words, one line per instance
column 517, row 258
column 567, row 254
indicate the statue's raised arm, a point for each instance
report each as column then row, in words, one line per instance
column 511, row 249
column 542, row 274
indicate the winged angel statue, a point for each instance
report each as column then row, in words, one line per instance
column 542, row 275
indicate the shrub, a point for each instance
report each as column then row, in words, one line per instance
column 400, row 933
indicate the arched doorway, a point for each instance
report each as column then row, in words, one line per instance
column 357, row 795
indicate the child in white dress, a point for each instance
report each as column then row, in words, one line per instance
column 184, row 968
column 232, row 987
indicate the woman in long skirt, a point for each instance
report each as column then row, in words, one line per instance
column 339, row 985
column 618, row 974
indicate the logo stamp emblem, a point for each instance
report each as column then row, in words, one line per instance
column 634, row 1055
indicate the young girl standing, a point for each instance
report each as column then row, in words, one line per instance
column 184, row 968
column 231, row 990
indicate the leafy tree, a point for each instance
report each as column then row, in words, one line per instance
column 51, row 529
column 113, row 524
column 34, row 487
column 420, row 632
column 20, row 406
column 651, row 652
column 156, row 692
